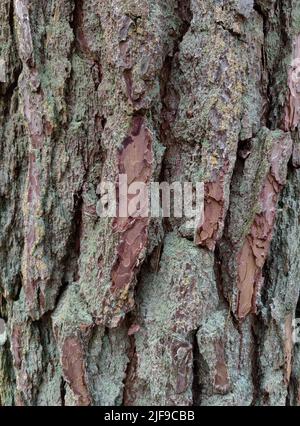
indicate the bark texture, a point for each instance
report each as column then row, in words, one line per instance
column 108, row 312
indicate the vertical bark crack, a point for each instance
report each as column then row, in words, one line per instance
column 63, row 391
column 196, row 387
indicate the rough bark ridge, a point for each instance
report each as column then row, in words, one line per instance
column 108, row 312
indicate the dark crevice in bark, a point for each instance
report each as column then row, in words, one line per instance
column 63, row 391
column 254, row 356
column 3, row 308
column 19, row 65
column 283, row 22
column 77, row 225
column 160, row 249
column 80, row 44
column 196, row 386
column 297, row 314
column 224, row 302
column 203, row 372
column 46, row 341
column 258, row 8
column 281, row 25
column 243, row 147
column 229, row 30
column 268, row 285
column 70, row 261
column 219, row 278
column 8, row 92
column 11, row 17
column 68, row 96
column 76, row 22
column 288, row 398
column 103, row 122
column 186, row 16
column 127, row 399
column 9, row 372
column 97, row 73
column 18, row 288
column 267, row 109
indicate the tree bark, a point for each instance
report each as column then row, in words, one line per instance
column 95, row 311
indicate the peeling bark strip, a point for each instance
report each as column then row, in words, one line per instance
column 213, row 215
column 253, row 254
column 34, row 268
column 182, row 354
column 256, row 186
column 73, row 362
column 33, row 110
column 221, row 381
column 135, row 161
column 72, row 328
column 292, row 109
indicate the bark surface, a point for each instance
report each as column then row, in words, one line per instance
column 98, row 311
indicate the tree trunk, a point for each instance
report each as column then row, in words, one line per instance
column 100, row 311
